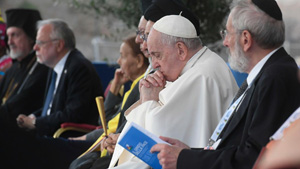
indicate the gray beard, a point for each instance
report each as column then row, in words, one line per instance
column 15, row 55
column 237, row 60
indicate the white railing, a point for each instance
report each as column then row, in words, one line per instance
column 105, row 51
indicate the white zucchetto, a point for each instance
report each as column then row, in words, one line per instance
column 176, row 25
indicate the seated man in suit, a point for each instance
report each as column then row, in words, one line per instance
column 71, row 94
column 254, row 35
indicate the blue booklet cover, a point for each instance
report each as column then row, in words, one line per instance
column 139, row 141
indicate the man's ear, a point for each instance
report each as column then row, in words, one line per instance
column 60, row 45
column 182, row 50
column 246, row 40
column 140, row 60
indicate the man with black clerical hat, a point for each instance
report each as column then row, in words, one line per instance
column 23, row 86
column 254, row 35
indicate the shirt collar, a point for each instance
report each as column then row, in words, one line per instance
column 60, row 65
column 253, row 73
column 59, row 68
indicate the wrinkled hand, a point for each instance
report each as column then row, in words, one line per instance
column 151, row 86
column 168, row 155
column 174, row 142
column 119, row 79
column 26, row 122
column 110, row 142
column 102, row 144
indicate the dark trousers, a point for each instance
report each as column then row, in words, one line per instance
column 23, row 149
column 91, row 161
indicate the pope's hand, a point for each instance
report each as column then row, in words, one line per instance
column 151, row 86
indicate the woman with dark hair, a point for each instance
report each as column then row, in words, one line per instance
column 133, row 65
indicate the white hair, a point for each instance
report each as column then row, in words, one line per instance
column 191, row 43
column 266, row 31
column 60, row 31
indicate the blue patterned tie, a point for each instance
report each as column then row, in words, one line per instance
column 49, row 94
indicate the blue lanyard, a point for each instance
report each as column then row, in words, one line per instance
column 218, row 130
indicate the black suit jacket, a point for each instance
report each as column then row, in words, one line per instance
column 74, row 100
column 270, row 100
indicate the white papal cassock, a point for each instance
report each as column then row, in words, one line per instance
column 188, row 109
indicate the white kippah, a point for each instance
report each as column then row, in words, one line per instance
column 176, row 25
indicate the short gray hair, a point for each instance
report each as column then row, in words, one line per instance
column 191, row 43
column 266, row 31
column 60, row 31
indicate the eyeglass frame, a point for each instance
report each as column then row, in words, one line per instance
column 139, row 32
column 142, row 35
column 41, row 43
column 223, row 33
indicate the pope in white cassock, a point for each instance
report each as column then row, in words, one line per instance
column 200, row 87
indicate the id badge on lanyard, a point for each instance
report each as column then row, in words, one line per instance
column 214, row 139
